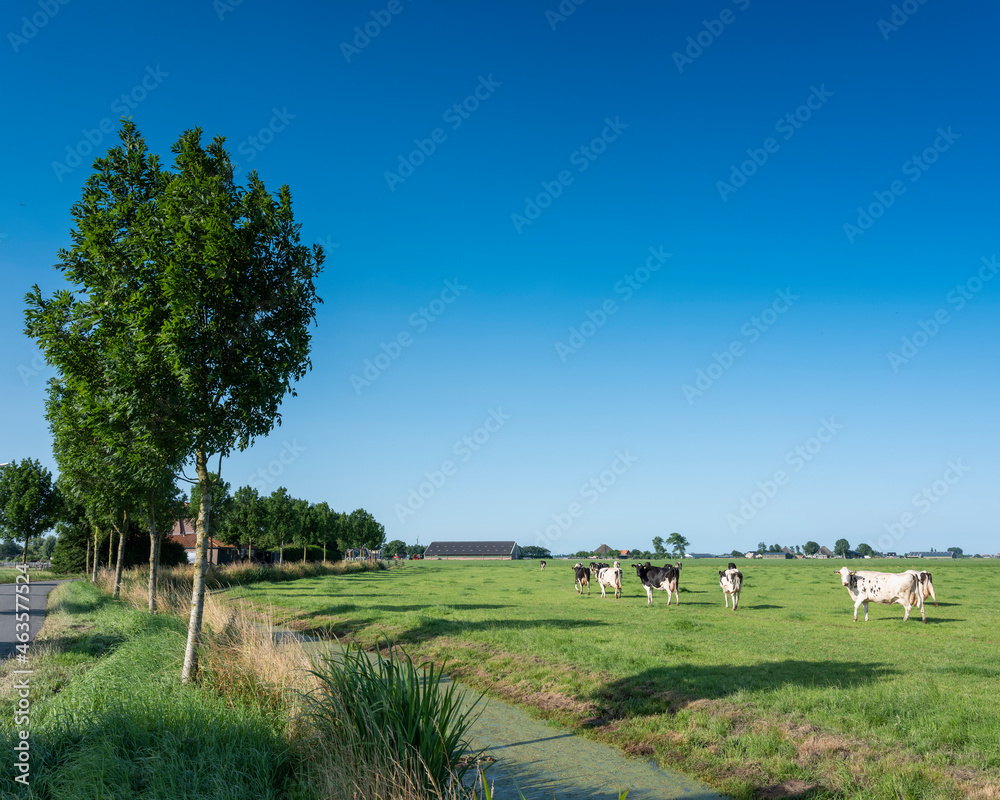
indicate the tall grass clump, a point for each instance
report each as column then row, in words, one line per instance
column 393, row 720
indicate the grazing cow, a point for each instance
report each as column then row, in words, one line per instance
column 610, row 577
column 662, row 578
column 883, row 587
column 926, row 584
column 543, row 566
column 731, row 581
column 582, row 578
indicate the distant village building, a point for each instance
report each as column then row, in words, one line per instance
column 505, row 551
column 604, row 550
column 185, row 534
column 780, row 555
column 929, row 554
column 825, row 552
column 700, row 555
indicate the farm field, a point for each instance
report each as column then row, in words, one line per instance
column 786, row 697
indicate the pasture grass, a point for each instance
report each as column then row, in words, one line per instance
column 785, row 697
column 110, row 719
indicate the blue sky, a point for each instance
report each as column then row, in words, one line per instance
column 724, row 268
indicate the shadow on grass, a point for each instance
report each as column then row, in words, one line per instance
column 671, row 688
column 86, row 644
column 431, row 628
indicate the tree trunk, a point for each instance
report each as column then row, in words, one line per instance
column 86, row 568
column 190, row 669
column 324, row 552
column 97, row 556
column 111, row 547
column 122, row 536
column 303, row 554
column 154, row 556
column 281, row 553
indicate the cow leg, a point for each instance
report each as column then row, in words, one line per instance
column 736, row 599
column 649, row 596
column 857, row 605
column 906, row 611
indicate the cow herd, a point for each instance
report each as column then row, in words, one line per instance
column 909, row 588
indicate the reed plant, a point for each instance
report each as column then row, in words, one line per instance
column 384, row 710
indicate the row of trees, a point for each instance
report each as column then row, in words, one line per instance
column 184, row 323
column 250, row 520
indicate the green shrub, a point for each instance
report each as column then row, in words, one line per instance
column 393, row 711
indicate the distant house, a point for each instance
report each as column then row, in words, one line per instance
column 789, row 551
column 778, row 555
column 825, row 552
column 604, row 550
column 929, row 554
column 185, row 534
column 626, row 553
column 751, row 554
column 505, row 551
column 699, row 555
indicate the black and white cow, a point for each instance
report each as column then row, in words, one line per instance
column 731, row 582
column 926, row 584
column 543, row 566
column 662, row 578
column 582, row 578
column 883, row 587
column 610, row 577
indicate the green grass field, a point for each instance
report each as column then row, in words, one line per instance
column 786, row 697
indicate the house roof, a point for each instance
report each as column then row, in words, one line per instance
column 469, row 549
column 188, row 540
column 929, row 554
column 826, row 551
column 603, row 550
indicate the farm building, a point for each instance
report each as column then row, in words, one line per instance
column 604, row 550
column 185, row 533
column 929, row 554
column 469, row 550
column 778, row 555
column 700, row 555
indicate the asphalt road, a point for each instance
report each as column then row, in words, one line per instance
column 35, row 599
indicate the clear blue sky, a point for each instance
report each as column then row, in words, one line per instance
column 489, row 178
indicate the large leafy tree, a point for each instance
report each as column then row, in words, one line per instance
column 679, row 545
column 284, row 521
column 658, row 547
column 245, row 522
column 217, row 297
column 810, row 548
column 841, row 546
column 29, row 502
column 363, row 530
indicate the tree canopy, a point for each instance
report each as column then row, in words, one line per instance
column 29, row 502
